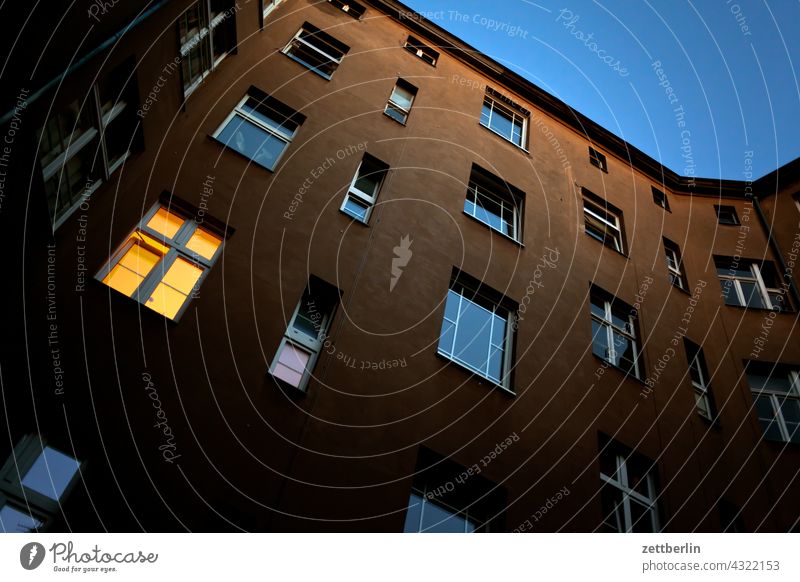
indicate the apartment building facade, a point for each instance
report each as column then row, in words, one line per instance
column 322, row 266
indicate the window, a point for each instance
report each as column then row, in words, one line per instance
column 748, row 283
column 268, row 6
column 726, row 214
column 495, row 203
column 476, row 331
column 305, row 335
column 34, row 482
column 260, row 128
column 776, row 398
column 317, row 50
column 628, row 490
column 474, row 505
column 354, row 9
column 614, row 332
column 597, row 159
column 86, row 142
column 207, row 32
column 422, row 51
column 163, row 261
column 364, row 189
column 504, row 118
column 698, row 372
column 675, row 265
column 603, row 222
column 400, row 101
column 660, row 198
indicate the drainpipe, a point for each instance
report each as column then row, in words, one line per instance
column 87, row 57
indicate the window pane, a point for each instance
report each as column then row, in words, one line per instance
column 613, row 511
column 502, row 124
column 131, row 269
column 641, row 518
column 13, row 520
column 291, row 365
column 766, row 418
column 165, row 222
column 170, row 295
column 257, row 144
column 729, row 292
column 439, row 520
column 368, row 181
column 752, row 297
column 51, row 473
column 775, row 382
column 356, row 208
column 600, row 340
column 790, row 408
column 204, row 243
column 269, row 118
column 624, row 352
column 312, row 58
column 472, row 336
column 413, row 514
column 182, row 276
column 402, row 97
column 396, row 113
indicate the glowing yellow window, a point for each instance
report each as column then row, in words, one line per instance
column 174, row 288
column 132, row 268
column 165, row 222
column 204, row 243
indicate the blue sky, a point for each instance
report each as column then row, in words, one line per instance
column 731, row 65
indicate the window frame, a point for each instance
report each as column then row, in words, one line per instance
column 21, row 497
column 651, row 503
column 177, row 250
column 599, row 204
column 723, row 208
column 268, row 6
column 660, row 198
column 704, row 397
column 676, row 272
column 259, row 124
column 393, row 105
column 302, row 341
column 353, row 9
column 463, row 514
column 313, row 31
column 598, row 160
column 776, row 399
column 757, row 279
column 496, row 103
column 421, row 51
column 204, row 34
column 597, row 295
column 363, row 197
column 461, row 288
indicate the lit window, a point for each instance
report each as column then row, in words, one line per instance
column 354, row 9
column 260, row 129
column 726, row 214
column 505, row 119
column 434, row 506
column 163, row 261
column 675, row 265
column 597, row 159
column 776, row 397
column 495, row 203
column 317, row 50
column 305, row 335
column 34, row 482
column 660, row 198
column 86, row 142
column 603, row 222
column 400, row 101
column 753, row 284
column 614, row 332
column 364, row 189
column 628, row 492
column 207, row 32
column 476, row 331
column 698, row 372
column 422, row 51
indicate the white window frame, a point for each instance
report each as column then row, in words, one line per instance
column 298, row 38
column 275, row 130
column 14, row 493
column 675, row 266
column 702, row 387
column 622, row 484
column 474, row 191
column 495, row 104
column 392, row 104
column 177, row 249
column 758, row 280
column 204, row 34
column 504, row 381
column 593, row 208
column 776, row 397
column 422, row 51
column 59, row 163
column 465, row 514
column 607, row 322
column 303, row 342
column 268, row 6
column 361, row 196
